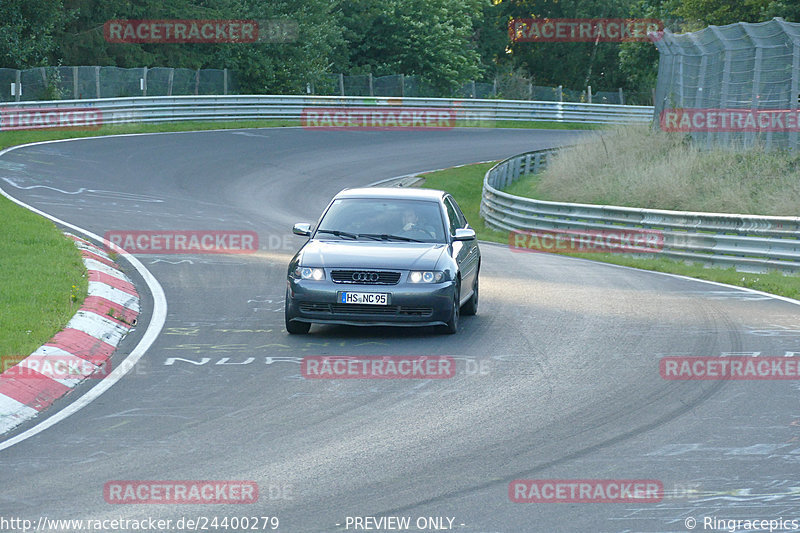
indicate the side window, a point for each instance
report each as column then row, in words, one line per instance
column 452, row 216
column 461, row 218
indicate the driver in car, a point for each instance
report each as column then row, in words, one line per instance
column 410, row 220
column 412, row 224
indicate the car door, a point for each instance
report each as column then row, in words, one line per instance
column 465, row 252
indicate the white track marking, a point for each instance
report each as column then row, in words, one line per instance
column 93, row 264
column 97, row 192
column 98, row 327
column 122, row 298
column 150, row 335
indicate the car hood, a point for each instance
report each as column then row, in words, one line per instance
column 371, row 254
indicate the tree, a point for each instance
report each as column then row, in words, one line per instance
column 789, row 10
column 719, row 12
column 429, row 38
column 262, row 67
column 283, row 68
column 572, row 64
column 638, row 61
column 26, row 34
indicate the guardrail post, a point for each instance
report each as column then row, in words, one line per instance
column 18, row 92
column 621, row 97
column 225, row 81
column 528, row 164
column 371, row 91
column 402, row 85
column 537, row 162
column 197, row 82
column 341, row 84
column 75, row 83
column 589, row 93
column 144, row 81
column 169, row 81
column 97, row 81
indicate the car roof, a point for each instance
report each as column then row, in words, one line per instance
column 397, row 193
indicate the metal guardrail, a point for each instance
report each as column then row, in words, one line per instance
column 750, row 243
column 179, row 108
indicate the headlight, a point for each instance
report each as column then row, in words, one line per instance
column 309, row 273
column 425, row 277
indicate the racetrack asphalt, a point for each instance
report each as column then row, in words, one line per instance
column 570, row 387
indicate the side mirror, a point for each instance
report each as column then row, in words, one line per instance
column 464, row 234
column 303, row 229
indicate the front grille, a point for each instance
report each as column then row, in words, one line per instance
column 315, row 308
column 355, row 309
column 415, row 311
column 366, row 277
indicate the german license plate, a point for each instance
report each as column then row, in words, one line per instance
column 367, row 298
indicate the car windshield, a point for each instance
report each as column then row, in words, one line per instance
column 383, row 220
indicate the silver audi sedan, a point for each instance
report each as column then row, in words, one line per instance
column 385, row 257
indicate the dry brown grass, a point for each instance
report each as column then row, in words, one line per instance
column 636, row 166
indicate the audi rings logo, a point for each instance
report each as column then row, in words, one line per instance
column 365, row 276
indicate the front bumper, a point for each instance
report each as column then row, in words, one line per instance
column 411, row 304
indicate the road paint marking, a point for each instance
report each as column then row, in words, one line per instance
column 151, row 334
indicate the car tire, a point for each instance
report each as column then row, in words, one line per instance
column 297, row 328
column 294, row 327
column 471, row 307
column 452, row 325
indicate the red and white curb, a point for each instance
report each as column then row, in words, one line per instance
column 108, row 313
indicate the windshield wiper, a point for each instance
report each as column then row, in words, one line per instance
column 387, row 237
column 338, row 233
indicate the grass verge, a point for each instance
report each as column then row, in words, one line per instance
column 43, row 281
column 465, row 184
column 636, row 166
column 11, row 138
